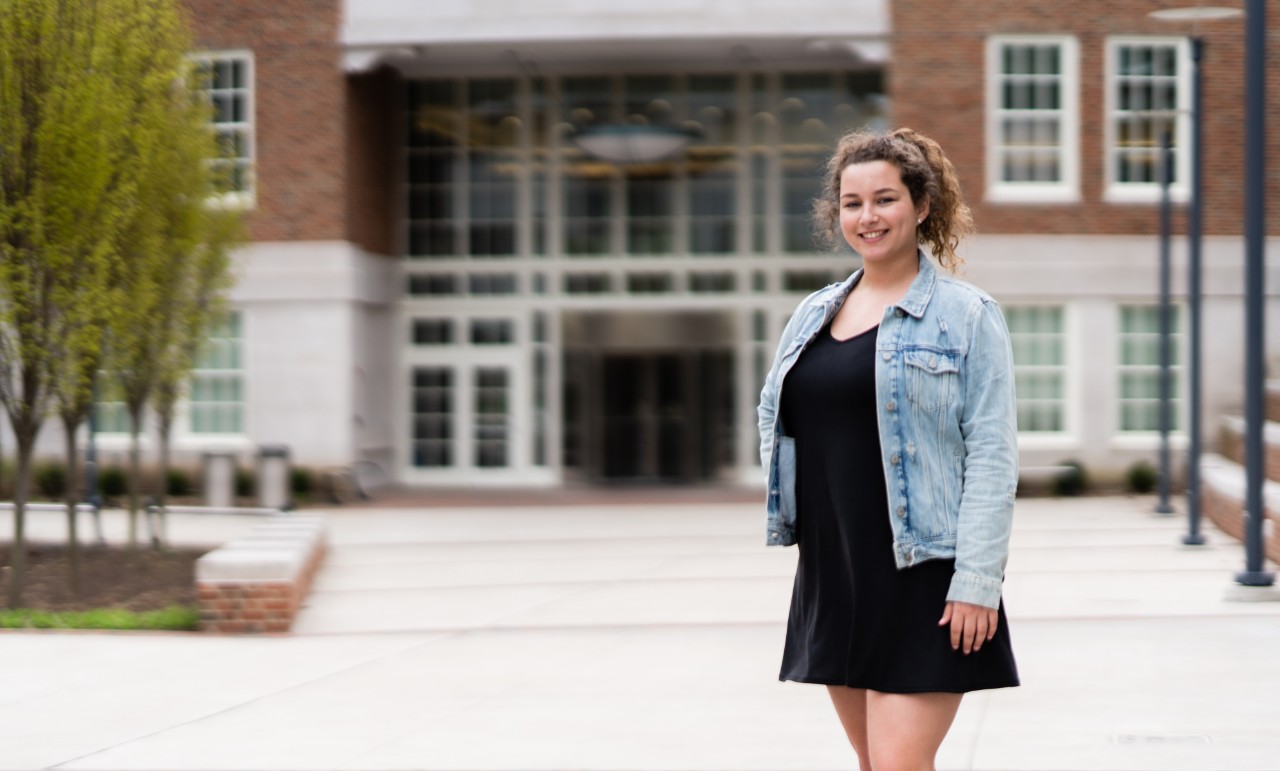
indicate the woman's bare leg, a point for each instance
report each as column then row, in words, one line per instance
column 905, row 730
column 851, row 706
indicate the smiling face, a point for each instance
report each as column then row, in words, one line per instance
column 877, row 216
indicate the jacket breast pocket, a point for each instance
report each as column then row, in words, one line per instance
column 932, row 377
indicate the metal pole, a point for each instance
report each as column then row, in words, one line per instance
column 1255, row 137
column 1194, row 292
column 1162, row 505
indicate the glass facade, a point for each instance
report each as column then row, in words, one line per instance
column 509, row 224
column 486, row 155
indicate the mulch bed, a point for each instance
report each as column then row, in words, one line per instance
column 114, row 577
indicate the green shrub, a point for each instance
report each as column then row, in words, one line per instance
column 51, row 479
column 246, row 483
column 1142, row 477
column 1072, row 480
column 301, row 481
column 178, row 483
column 113, row 482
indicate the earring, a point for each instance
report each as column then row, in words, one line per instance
column 920, row 221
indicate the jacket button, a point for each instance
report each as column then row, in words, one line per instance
column 891, row 405
column 933, row 362
column 894, row 459
column 902, row 511
column 887, row 355
column 899, row 312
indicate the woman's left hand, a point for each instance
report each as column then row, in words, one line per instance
column 971, row 625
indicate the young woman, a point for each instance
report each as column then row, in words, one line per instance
column 888, row 431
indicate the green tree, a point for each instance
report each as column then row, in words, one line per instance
column 175, row 243
column 104, row 193
column 61, row 137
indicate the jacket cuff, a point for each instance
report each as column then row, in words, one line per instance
column 975, row 590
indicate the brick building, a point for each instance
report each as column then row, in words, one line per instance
column 448, row 282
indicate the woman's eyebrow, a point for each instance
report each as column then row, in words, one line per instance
column 878, row 192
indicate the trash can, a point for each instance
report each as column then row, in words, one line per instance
column 273, row 476
column 219, row 479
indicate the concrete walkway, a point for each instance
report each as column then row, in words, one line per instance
column 609, row 636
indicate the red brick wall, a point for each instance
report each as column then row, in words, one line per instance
column 300, row 102
column 937, row 86
column 372, row 137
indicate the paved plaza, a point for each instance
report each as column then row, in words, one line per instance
column 631, row 634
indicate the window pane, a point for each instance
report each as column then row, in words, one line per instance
column 432, row 411
column 1139, row 369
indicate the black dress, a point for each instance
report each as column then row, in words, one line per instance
column 856, row 619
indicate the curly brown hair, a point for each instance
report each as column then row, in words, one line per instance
column 928, row 176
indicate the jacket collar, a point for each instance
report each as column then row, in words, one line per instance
column 915, row 301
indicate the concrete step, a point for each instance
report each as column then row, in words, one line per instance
column 1231, row 443
column 1222, row 491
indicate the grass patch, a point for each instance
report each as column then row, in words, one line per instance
column 180, row 618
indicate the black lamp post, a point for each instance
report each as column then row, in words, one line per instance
column 1165, row 402
column 1255, row 191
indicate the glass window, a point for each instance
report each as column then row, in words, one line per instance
column 432, row 331
column 587, row 283
column 217, row 382
column 588, row 182
column 493, row 167
column 712, row 164
column 432, row 416
column 435, row 136
column 805, row 122
column 110, row 414
column 1148, row 96
column 227, row 80
column 491, row 283
column 649, row 283
column 1038, row 337
column 433, row 284
column 806, row 280
column 492, row 332
column 1032, row 118
column 1140, row 368
column 712, row 282
column 651, row 193
column 491, row 417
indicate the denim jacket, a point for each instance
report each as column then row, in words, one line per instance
column 948, row 427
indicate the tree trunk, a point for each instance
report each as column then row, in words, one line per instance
column 71, row 425
column 135, row 472
column 22, row 485
column 166, row 423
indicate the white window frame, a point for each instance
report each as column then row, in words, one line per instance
column 1148, row 192
column 246, row 199
column 1067, row 189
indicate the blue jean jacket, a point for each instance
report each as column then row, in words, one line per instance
column 948, row 427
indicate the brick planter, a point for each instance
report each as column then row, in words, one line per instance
column 1222, row 502
column 256, row 584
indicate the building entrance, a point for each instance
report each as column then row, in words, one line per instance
column 638, row 413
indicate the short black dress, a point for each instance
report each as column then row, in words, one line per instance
column 856, row 619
